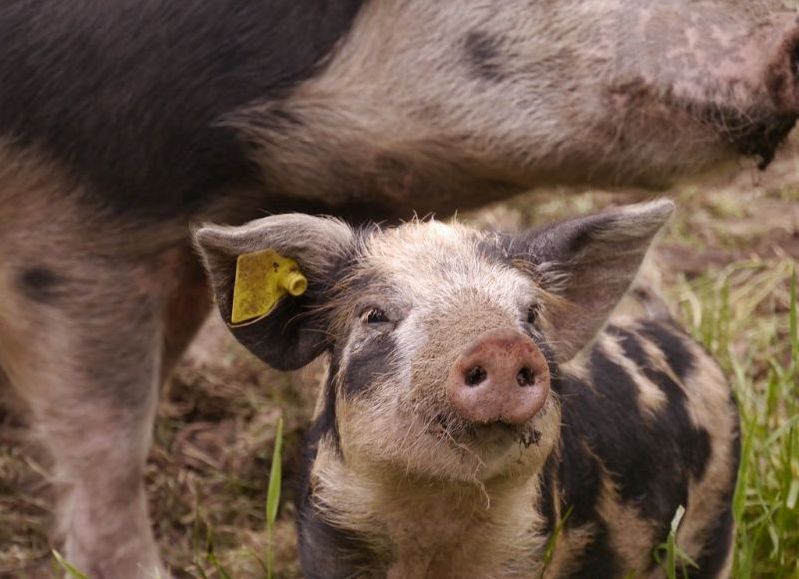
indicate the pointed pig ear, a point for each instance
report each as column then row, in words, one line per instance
column 594, row 259
column 294, row 332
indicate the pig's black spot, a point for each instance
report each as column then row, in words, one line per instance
column 578, row 472
column 681, row 360
column 698, row 454
column 651, row 460
column 630, row 345
column 328, row 552
column 484, row 55
column 40, row 284
column 679, row 357
column 325, row 551
column 694, row 441
column 720, row 534
column 374, row 360
column 697, row 457
column 324, row 426
column 532, row 437
column 644, row 456
column 598, row 559
column 715, row 552
column 546, row 498
column 159, row 76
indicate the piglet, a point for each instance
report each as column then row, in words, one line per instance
column 484, row 415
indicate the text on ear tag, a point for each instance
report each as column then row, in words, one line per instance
column 262, row 279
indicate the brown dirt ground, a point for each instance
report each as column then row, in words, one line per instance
column 208, row 470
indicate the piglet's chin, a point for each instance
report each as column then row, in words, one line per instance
column 491, row 436
column 500, row 434
column 485, row 451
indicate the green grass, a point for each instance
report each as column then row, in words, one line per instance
column 670, row 556
column 746, row 316
column 65, row 566
column 271, row 509
column 552, row 542
column 273, row 496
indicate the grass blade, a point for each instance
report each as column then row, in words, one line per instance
column 73, row 572
column 273, row 495
column 794, row 327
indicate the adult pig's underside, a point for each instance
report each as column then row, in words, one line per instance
column 122, row 121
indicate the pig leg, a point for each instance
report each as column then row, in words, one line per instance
column 89, row 370
column 94, row 311
column 187, row 306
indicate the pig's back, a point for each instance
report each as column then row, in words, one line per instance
column 649, row 424
column 128, row 96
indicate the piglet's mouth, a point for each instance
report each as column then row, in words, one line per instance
column 461, row 433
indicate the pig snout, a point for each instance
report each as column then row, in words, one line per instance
column 501, row 376
column 783, row 74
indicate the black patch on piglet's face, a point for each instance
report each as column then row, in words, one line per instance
column 369, row 365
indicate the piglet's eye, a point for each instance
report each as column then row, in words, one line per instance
column 532, row 313
column 374, row 316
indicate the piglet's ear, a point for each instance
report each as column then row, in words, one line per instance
column 293, row 334
column 590, row 263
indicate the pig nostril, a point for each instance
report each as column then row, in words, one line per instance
column 524, row 377
column 475, row 376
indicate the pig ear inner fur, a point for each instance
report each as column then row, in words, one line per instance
column 590, row 263
column 293, row 334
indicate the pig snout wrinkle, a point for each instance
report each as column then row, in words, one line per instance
column 501, row 376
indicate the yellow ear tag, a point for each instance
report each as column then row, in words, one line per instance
column 262, row 279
